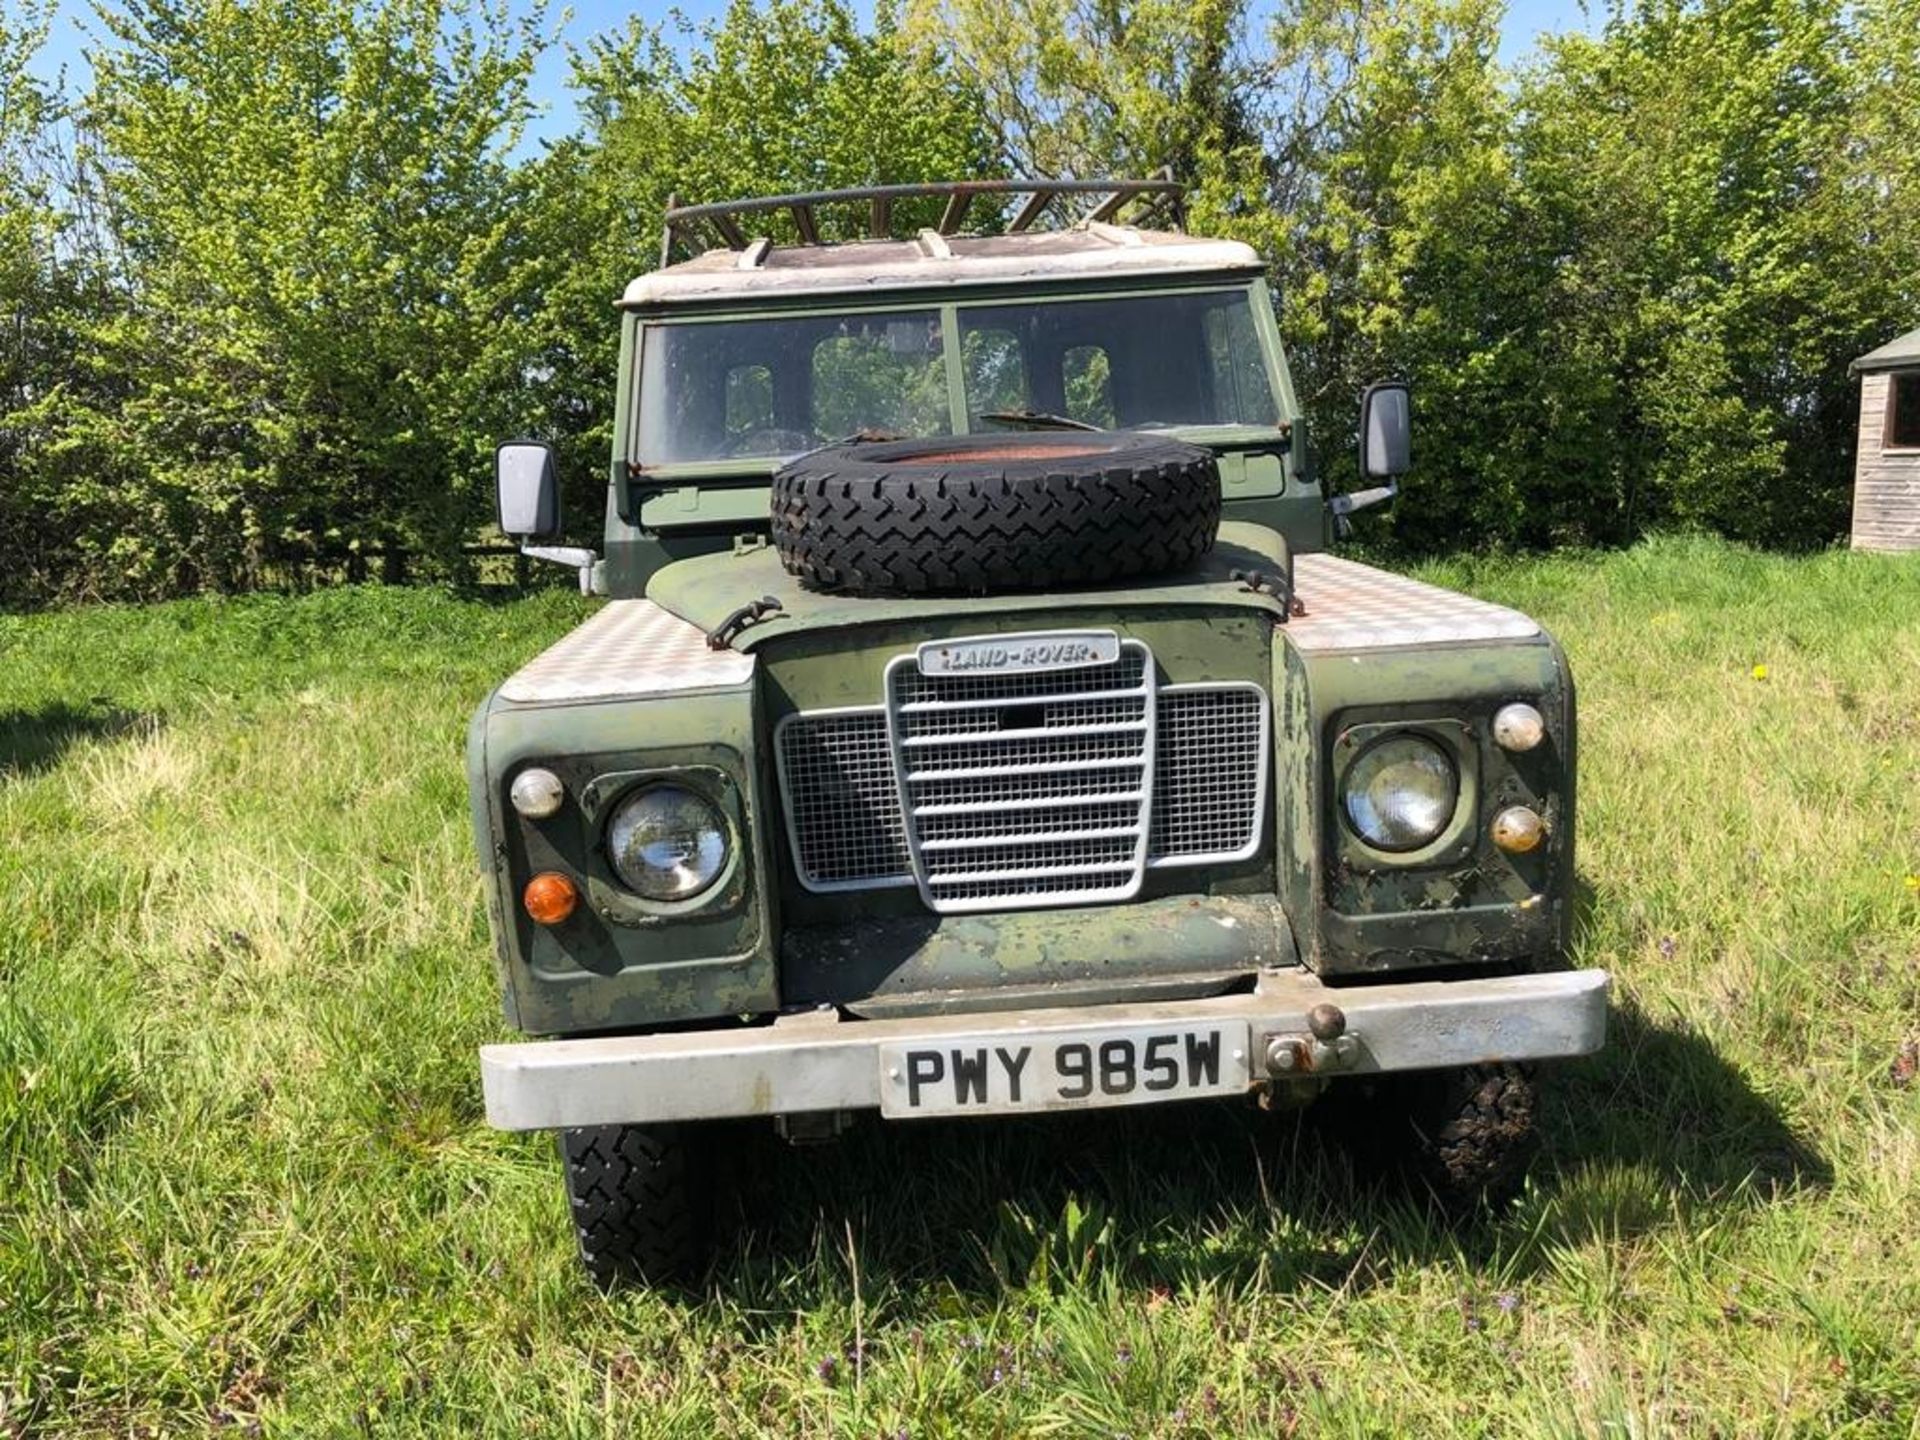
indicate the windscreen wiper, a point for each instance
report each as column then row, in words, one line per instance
column 1035, row 420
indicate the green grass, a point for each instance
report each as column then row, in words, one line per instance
column 244, row 1179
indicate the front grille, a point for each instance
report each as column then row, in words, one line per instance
column 959, row 739
column 1212, row 774
column 843, row 811
column 1040, row 788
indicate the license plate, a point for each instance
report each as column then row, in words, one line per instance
column 1063, row 1070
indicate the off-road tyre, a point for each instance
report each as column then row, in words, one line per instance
column 1462, row 1139
column 972, row 514
column 642, row 1202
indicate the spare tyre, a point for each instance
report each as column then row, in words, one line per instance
column 974, row 513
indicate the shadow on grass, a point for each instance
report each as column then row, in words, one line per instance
column 1660, row 1097
column 34, row 740
column 1657, row 1125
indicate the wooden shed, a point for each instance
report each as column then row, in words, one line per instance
column 1886, row 480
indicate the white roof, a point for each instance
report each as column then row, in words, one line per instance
column 1091, row 249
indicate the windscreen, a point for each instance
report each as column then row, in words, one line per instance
column 1132, row 363
column 763, row 389
column 751, row 389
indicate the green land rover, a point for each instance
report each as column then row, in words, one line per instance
column 977, row 723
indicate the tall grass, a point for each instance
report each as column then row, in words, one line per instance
column 244, row 1180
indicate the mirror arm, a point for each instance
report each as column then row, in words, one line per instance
column 577, row 557
column 1344, row 505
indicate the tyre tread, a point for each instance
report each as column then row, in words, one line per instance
column 638, row 1201
column 841, row 522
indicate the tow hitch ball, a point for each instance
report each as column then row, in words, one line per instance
column 1325, row 1047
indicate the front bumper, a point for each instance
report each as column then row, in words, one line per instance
column 818, row 1062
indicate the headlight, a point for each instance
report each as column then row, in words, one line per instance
column 1400, row 792
column 667, row 843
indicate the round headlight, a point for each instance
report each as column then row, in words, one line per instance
column 1400, row 792
column 667, row 843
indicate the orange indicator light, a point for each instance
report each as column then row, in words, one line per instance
column 1517, row 830
column 550, row 898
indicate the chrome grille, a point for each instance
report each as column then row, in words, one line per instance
column 1210, row 780
column 1046, row 811
column 1034, row 787
column 1065, row 844
column 843, row 812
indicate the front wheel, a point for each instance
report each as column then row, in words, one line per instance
column 1465, row 1137
column 642, row 1202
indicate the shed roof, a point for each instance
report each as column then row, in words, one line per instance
column 1894, row 355
column 1089, row 249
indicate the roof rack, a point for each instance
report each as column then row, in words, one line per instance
column 1159, row 197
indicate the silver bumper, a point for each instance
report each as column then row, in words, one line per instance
column 817, row 1062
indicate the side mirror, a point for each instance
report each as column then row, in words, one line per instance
column 529, row 491
column 1386, row 430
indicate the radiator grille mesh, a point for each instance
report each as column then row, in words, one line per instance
column 1026, row 790
column 1211, row 773
column 843, row 812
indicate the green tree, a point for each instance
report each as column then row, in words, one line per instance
column 1724, row 198
column 1363, row 150
column 1625, row 282
column 1409, row 253
column 1881, row 167
column 24, row 113
column 1127, row 89
column 37, row 279
column 1103, row 88
column 311, row 200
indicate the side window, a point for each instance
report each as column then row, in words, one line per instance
column 1903, row 411
column 996, row 371
column 1087, row 377
column 749, row 400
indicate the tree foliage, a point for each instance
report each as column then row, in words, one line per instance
column 274, row 285
column 1720, row 233
column 24, row 257
column 1625, row 281
column 310, row 202
column 1408, row 252
column 52, row 289
column 1077, row 88
column 20, row 104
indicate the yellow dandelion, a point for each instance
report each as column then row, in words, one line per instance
column 1759, row 672
column 1913, row 883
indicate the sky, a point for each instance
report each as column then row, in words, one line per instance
column 1527, row 20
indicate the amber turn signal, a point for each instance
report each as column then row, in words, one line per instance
column 1517, row 830
column 550, row 898
column 1518, row 727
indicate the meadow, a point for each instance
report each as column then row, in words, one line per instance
column 245, row 1185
